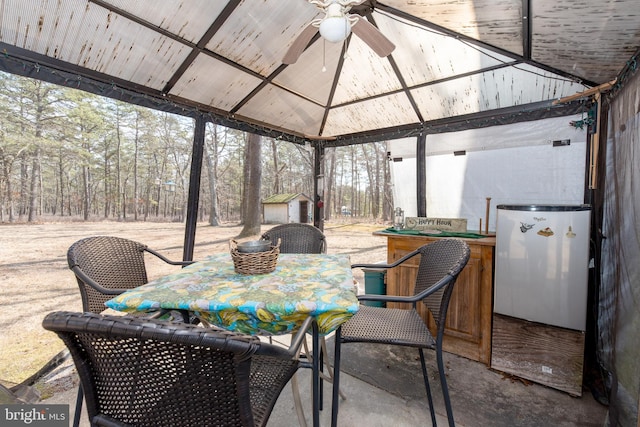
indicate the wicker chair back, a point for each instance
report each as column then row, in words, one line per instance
column 112, row 262
column 147, row 372
column 298, row 238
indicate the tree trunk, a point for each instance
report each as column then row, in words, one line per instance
column 40, row 96
column 24, row 188
column 69, row 192
column 61, row 172
column 33, row 186
column 387, row 196
column 6, row 172
column 136, row 143
column 379, row 158
column 245, row 181
column 105, row 175
column 120, row 207
column 354, row 182
column 211, row 175
column 330, row 182
column 340, row 195
column 373, row 170
column 276, row 168
column 253, row 180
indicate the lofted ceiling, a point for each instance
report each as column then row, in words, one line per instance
column 463, row 63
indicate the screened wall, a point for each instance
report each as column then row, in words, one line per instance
column 619, row 292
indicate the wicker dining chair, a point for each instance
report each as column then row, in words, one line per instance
column 298, row 238
column 148, row 372
column 106, row 266
column 440, row 264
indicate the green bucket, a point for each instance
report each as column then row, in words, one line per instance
column 374, row 284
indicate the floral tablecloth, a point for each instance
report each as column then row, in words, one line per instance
column 302, row 285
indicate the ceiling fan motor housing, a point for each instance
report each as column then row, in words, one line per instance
column 335, row 27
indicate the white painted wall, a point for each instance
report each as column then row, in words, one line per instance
column 275, row 213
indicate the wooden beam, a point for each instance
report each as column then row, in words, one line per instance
column 594, row 90
column 595, row 146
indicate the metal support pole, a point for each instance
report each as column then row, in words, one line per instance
column 421, row 174
column 194, row 188
column 318, row 185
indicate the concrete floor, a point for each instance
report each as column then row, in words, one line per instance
column 383, row 386
column 479, row 396
column 366, row 405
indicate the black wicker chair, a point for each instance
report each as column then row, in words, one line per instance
column 106, row 266
column 147, row 372
column 440, row 264
column 297, row 238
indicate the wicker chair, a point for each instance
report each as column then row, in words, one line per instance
column 298, row 238
column 105, row 266
column 440, row 264
column 147, row 372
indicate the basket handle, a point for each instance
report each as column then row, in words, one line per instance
column 277, row 245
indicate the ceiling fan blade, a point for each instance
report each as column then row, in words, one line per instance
column 369, row 34
column 300, row 44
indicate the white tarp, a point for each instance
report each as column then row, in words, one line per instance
column 511, row 164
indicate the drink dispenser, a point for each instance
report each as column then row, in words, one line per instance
column 398, row 221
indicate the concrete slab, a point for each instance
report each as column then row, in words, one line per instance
column 366, row 405
column 480, row 396
column 383, row 386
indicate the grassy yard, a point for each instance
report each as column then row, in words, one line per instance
column 35, row 279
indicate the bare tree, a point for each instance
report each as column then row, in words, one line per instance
column 277, row 169
column 387, row 198
column 64, row 152
column 330, row 170
column 120, row 207
column 136, row 155
column 211, row 158
column 252, row 179
column 372, row 155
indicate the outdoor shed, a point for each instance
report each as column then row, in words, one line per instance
column 286, row 208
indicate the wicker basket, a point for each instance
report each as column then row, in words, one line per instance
column 255, row 262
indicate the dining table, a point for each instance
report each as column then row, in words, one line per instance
column 274, row 303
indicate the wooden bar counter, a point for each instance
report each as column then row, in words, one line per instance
column 468, row 327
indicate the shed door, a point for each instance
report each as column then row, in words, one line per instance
column 304, row 211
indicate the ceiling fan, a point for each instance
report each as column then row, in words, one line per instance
column 336, row 26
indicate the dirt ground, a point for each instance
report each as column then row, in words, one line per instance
column 35, row 279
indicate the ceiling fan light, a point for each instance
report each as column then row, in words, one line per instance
column 335, row 29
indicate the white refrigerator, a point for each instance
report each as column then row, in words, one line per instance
column 542, row 263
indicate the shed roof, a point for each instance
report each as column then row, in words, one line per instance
column 282, row 198
column 461, row 64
